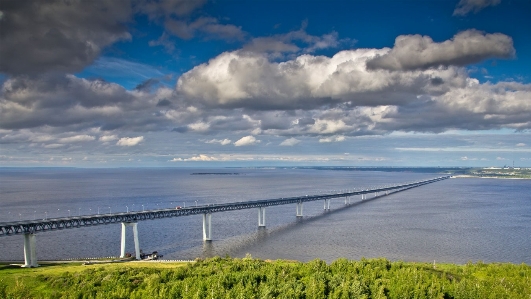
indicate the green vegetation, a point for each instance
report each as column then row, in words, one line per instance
column 252, row 278
column 505, row 172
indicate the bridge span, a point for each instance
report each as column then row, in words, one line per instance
column 29, row 228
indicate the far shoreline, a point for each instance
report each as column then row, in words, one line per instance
column 468, row 176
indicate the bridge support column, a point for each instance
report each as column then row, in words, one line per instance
column 135, row 237
column 207, row 227
column 30, row 258
column 327, row 204
column 299, row 209
column 261, row 216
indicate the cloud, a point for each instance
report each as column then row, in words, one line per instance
column 199, row 127
column 466, row 6
column 130, row 141
column 64, row 101
column 465, row 158
column 290, row 142
column 412, row 52
column 200, row 157
column 520, row 144
column 65, row 36
column 298, row 41
column 53, row 145
column 324, row 126
column 124, row 70
column 207, row 26
column 241, row 79
column 289, row 158
column 220, row 141
column 472, row 107
column 270, row 44
column 175, row 15
column 77, row 138
column 249, row 92
column 163, row 40
column 107, row 138
column 155, row 9
column 247, row 140
column 318, row 95
column 332, row 139
column 463, row 149
column 250, row 80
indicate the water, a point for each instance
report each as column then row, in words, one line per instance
column 456, row 220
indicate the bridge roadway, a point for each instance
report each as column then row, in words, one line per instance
column 28, row 228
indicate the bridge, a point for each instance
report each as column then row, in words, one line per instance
column 29, row 228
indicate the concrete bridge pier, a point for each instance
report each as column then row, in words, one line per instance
column 261, row 217
column 30, row 258
column 299, row 209
column 327, row 204
column 207, row 227
column 135, row 237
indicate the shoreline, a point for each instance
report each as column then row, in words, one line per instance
column 465, row 176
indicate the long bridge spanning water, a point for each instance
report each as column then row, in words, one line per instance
column 29, row 228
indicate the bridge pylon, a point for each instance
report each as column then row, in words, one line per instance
column 261, row 217
column 30, row 257
column 299, row 209
column 207, row 227
column 327, row 204
column 135, row 236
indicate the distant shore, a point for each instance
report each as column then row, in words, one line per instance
column 460, row 176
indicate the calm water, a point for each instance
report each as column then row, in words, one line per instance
column 456, row 220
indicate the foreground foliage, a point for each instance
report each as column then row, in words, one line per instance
column 251, row 278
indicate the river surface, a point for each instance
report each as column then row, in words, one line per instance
column 455, row 220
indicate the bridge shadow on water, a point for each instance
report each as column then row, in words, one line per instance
column 237, row 246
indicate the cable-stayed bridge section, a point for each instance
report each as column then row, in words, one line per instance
column 29, row 228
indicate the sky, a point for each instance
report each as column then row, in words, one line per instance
column 175, row 83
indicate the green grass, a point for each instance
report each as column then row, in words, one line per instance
column 252, row 278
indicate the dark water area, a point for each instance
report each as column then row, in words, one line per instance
column 455, row 220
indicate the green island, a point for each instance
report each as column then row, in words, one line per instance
column 254, row 278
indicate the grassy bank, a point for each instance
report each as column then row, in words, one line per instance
column 251, row 278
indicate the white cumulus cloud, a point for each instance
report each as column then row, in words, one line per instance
column 290, row 142
column 130, row 141
column 220, row 141
column 247, row 140
column 332, row 139
column 107, row 138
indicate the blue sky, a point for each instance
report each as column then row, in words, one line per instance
column 173, row 83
